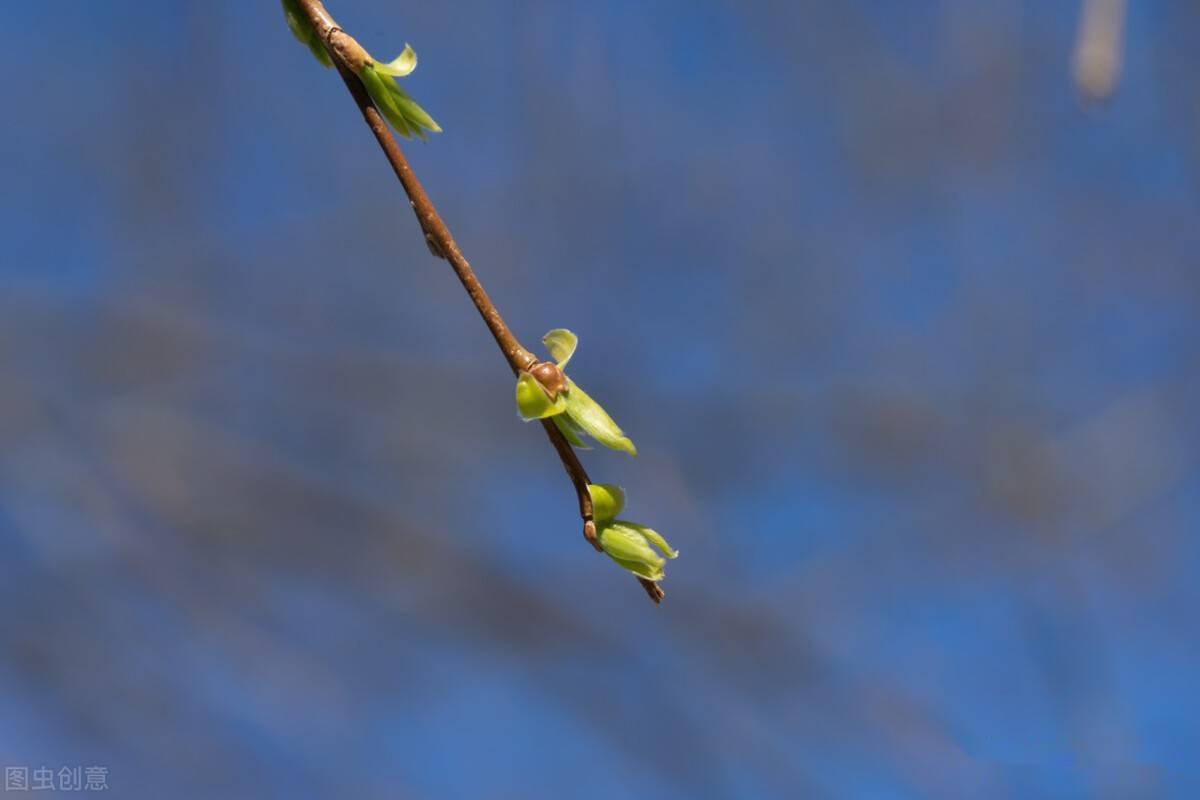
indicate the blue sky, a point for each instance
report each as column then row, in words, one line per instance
column 904, row 330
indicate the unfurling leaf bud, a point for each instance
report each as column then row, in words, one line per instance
column 590, row 417
column 629, row 544
column 534, row 402
column 583, row 414
column 408, row 118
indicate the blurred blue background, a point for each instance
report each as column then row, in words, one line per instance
column 906, row 332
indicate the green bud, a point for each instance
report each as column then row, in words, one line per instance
column 590, row 417
column 408, row 118
column 583, row 414
column 627, row 544
column 298, row 24
column 533, row 402
column 416, row 116
column 373, row 82
column 607, row 501
column 652, row 536
column 561, row 344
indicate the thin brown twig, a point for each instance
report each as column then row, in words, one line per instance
column 349, row 56
column 579, row 478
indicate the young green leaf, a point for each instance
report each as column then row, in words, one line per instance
column 408, row 118
column 607, row 501
column 629, row 548
column 561, row 344
column 401, row 65
column 533, row 402
column 573, row 433
column 587, row 414
column 652, row 536
column 650, row 572
column 373, row 82
column 298, row 24
column 414, row 115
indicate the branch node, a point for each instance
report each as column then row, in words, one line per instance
column 436, row 249
column 589, row 533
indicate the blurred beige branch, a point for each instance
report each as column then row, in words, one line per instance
column 1096, row 63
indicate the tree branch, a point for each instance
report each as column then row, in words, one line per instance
column 349, row 57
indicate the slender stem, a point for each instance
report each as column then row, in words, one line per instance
column 579, row 478
column 437, row 235
column 349, row 57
